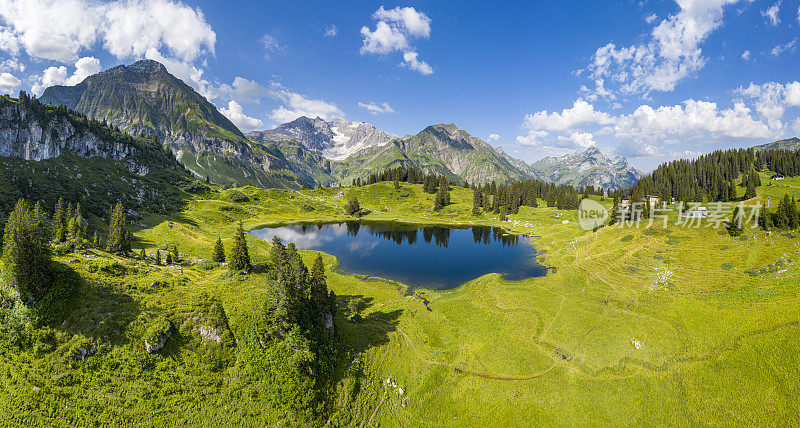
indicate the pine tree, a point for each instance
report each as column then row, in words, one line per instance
column 169, row 258
column 442, row 198
column 118, row 239
column 320, row 298
column 96, row 240
column 352, row 208
column 504, row 213
column 750, row 192
column 175, row 255
column 77, row 228
column 158, row 258
column 240, row 257
column 26, row 251
column 143, row 255
column 218, row 253
column 59, row 221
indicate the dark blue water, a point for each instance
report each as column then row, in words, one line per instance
column 429, row 257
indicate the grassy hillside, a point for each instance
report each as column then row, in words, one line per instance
column 715, row 319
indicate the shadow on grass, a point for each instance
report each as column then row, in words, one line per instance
column 77, row 306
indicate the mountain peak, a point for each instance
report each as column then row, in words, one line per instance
column 147, row 66
column 590, row 167
column 592, row 151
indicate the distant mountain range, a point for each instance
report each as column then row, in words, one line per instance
column 144, row 98
column 788, row 144
column 588, row 168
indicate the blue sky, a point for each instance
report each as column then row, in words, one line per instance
column 650, row 80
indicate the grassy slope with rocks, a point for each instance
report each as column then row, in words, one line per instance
column 714, row 317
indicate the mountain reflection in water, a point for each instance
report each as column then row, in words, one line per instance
column 443, row 258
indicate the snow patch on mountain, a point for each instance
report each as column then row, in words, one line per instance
column 335, row 140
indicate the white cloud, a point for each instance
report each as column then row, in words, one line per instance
column 12, row 64
column 650, row 18
column 296, row 105
column 533, row 138
column 243, row 91
column 384, row 39
column 581, row 113
column 685, row 154
column 84, row 68
column 60, row 30
column 576, row 140
column 494, row 137
column 746, row 55
column 8, row 83
column 52, row 76
column 190, row 74
column 376, row 109
column 772, row 99
column 788, row 46
column 415, row 23
column 772, row 14
column 671, row 53
column 271, row 44
column 393, row 31
column 691, row 120
column 236, row 115
column 639, row 133
column 410, row 60
column 331, row 31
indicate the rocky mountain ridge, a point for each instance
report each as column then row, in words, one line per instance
column 144, row 98
column 591, row 167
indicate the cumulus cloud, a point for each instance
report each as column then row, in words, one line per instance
column 494, row 137
column 60, row 29
column 243, row 91
column 772, row 98
column 746, row 55
column 650, row 18
column 376, row 109
column 639, row 132
column 296, row 105
column 771, row 13
column 8, row 83
column 576, row 140
column 384, row 39
column 671, row 52
column 235, row 114
column 410, row 60
column 393, row 33
column 415, row 23
column 581, row 113
column 52, row 76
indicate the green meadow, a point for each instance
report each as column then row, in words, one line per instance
column 632, row 326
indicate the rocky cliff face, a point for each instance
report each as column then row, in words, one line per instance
column 25, row 136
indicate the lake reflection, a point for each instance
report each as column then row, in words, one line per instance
column 431, row 257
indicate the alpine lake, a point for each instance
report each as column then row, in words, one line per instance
column 431, row 257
